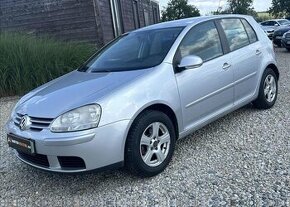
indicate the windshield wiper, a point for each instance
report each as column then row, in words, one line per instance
column 101, row 71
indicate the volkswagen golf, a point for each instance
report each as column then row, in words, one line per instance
column 130, row 102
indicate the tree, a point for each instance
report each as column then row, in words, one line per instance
column 238, row 7
column 179, row 9
column 280, row 8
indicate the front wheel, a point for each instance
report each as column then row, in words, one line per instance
column 150, row 144
column 268, row 90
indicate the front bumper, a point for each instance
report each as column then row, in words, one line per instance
column 75, row 151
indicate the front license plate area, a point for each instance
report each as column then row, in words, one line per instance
column 279, row 37
column 21, row 144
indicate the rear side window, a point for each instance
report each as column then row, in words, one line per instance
column 251, row 33
column 235, row 33
column 202, row 40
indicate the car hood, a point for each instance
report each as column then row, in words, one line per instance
column 72, row 90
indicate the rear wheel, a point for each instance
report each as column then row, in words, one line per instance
column 150, row 144
column 268, row 90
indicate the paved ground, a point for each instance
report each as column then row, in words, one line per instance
column 241, row 160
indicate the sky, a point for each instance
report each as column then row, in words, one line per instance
column 206, row 6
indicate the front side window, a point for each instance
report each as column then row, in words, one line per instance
column 202, row 40
column 251, row 33
column 136, row 50
column 235, row 33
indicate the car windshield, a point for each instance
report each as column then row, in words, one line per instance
column 284, row 22
column 136, row 50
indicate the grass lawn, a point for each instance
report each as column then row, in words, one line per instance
column 27, row 62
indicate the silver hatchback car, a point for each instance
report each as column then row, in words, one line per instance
column 130, row 102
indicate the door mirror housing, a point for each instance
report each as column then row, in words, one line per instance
column 190, row 62
column 276, row 25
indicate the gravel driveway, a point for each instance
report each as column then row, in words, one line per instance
column 242, row 159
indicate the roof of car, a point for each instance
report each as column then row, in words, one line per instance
column 187, row 21
column 274, row 20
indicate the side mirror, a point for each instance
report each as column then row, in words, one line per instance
column 276, row 25
column 190, row 62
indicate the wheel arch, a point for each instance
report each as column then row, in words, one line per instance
column 169, row 112
column 162, row 107
column 275, row 69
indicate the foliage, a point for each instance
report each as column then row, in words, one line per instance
column 27, row 62
column 263, row 16
column 179, row 9
column 280, row 8
column 238, row 7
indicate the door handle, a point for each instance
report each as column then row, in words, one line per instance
column 258, row 52
column 226, row 66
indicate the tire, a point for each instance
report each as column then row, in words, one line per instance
column 156, row 154
column 269, row 82
column 288, row 49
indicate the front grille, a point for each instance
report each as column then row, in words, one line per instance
column 71, row 163
column 37, row 159
column 37, row 124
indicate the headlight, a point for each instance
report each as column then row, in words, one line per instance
column 85, row 117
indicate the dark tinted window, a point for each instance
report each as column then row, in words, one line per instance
column 251, row 33
column 271, row 23
column 235, row 33
column 202, row 40
column 265, row 24
column 137, row 50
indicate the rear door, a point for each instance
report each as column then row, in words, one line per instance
column 246, row 55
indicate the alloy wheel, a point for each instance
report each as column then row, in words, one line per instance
column 154, row 144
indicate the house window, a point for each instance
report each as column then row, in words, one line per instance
column 155, row 15
column 136, row 14
column 117, row 17
column 146, row 17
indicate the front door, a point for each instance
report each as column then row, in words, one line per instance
column 208, row 90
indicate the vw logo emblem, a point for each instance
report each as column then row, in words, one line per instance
column 24, row 123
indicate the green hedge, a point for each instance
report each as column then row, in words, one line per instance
column 27, row 62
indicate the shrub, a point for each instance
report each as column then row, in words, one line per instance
column 27, row 62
